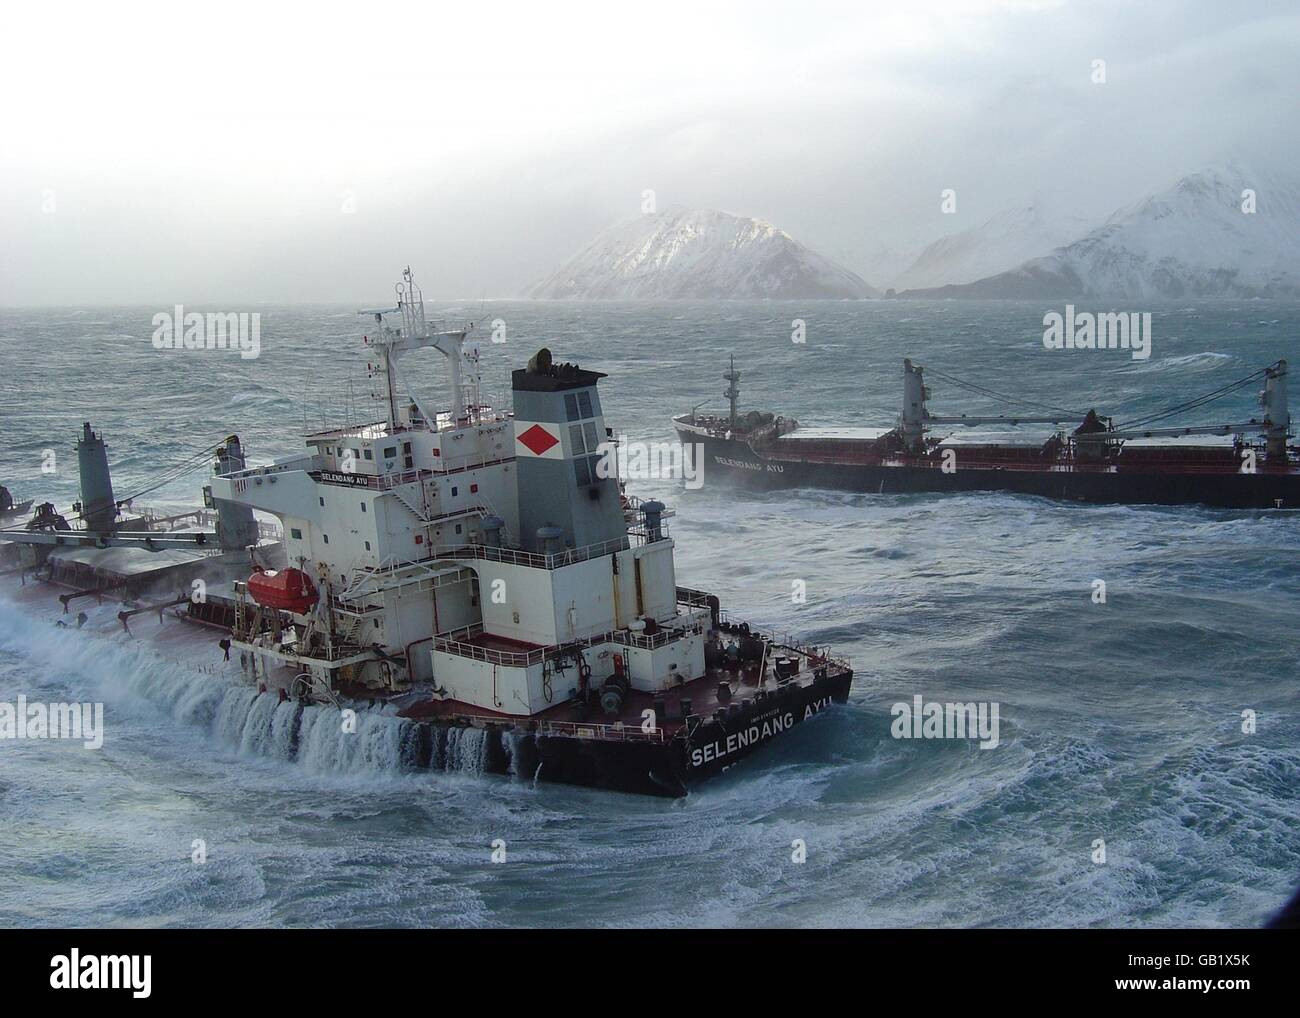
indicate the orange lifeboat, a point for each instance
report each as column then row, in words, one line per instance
column 288, row 590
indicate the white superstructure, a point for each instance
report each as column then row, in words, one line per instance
column 462, row 549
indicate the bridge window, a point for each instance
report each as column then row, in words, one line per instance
column 577, row 406
column 582, row 438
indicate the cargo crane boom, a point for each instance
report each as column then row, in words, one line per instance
column 1275, row 425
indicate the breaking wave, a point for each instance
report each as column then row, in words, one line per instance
column 238, row 717
column 1197, row 361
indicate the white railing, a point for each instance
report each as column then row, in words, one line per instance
column 533, row 559
column 456, row 642
column 693, row 598
column 297, row 463
column 633, row 503
column 641, row 533
column 662, row 637
column 385, row 481
column 615, row 732
column 392, row 573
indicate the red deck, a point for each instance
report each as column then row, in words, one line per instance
column 505, row 644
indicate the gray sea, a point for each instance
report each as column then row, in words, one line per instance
column 1120, row 722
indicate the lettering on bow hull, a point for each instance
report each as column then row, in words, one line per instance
column 668, row 767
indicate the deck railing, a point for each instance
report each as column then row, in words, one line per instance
column 693, row 598
column 816, row 653
column 458, row 642
column 536, row 560
column 296, row 463
column 616, row 732
column 660, row 638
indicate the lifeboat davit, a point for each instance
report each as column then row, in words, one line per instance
column 288, row 590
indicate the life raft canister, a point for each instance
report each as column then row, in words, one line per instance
column 288, row 590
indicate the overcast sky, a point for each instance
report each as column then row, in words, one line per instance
column 156, row 154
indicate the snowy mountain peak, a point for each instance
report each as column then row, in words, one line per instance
column 1223, row 232
column 999, row 243
column 698, row 253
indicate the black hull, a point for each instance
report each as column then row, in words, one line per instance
column 735, row 462
column 669, row 768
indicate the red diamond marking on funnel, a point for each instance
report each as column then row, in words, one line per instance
column 537, row 440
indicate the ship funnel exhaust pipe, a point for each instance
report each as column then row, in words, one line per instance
column 654, row 514
column 236, row 525
column 98, row 507
column 548, row 540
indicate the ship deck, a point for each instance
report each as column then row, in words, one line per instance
column 986, row 450
column 1133, row 457
column 572, row 717
column 977, row 458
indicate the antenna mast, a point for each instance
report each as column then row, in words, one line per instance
column 732, row 377
column 413, row 334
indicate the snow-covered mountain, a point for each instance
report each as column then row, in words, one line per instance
column 1000, row 243
column 1193, row 240
column 696, row 253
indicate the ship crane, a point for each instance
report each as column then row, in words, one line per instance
column 972, row 421
column 98, row 509
column 1275, row 424
column 1247, row 428
column 916, row 417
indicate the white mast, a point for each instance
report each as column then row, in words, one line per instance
column 390, row 344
